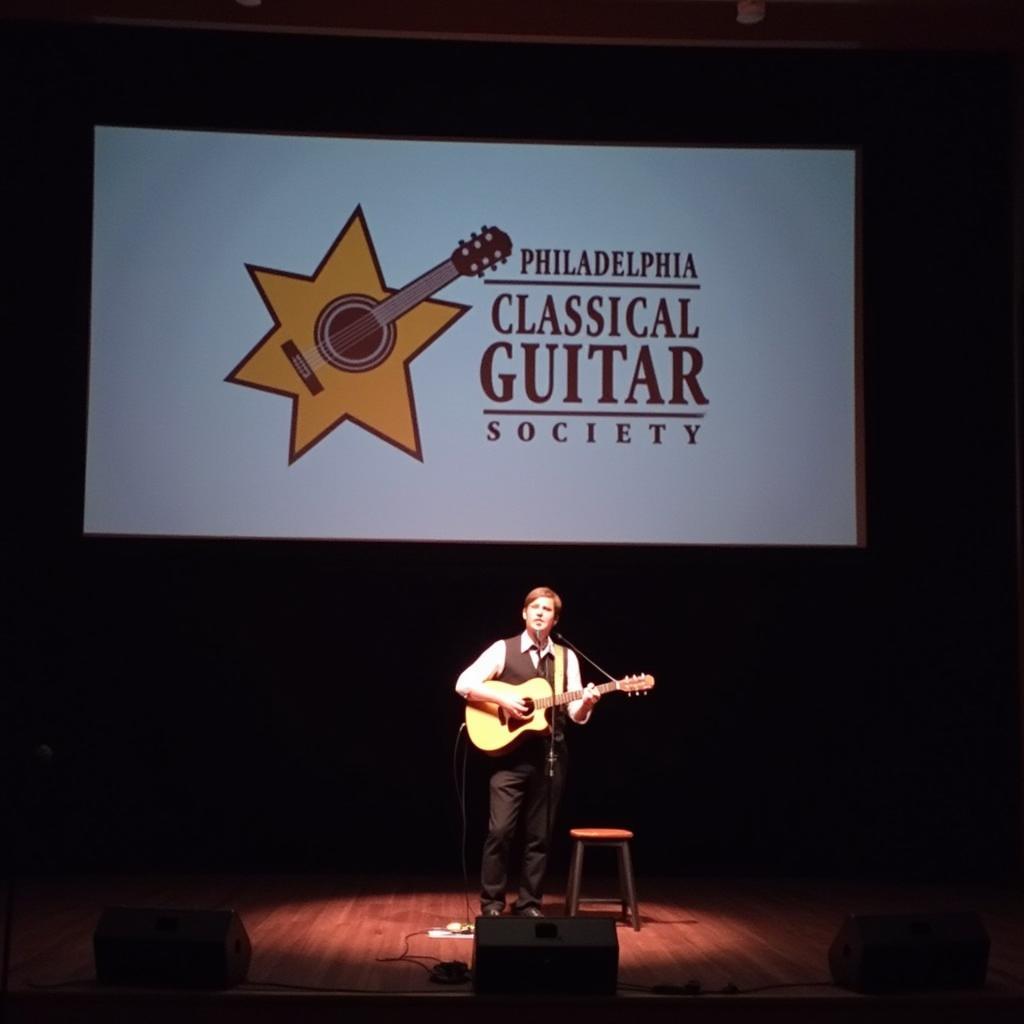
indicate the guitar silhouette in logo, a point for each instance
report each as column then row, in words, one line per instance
column 342, row 340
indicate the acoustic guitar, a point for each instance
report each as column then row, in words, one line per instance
column 494, row 731
column 355, row 333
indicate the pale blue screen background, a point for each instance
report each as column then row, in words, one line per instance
column 175, row 449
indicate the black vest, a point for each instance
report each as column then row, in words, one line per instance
column 519, row 667
column 518, row 664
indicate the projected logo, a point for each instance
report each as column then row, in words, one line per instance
column 342, row 340
column 622, row 366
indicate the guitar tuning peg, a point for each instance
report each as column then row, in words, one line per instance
column 483, row 227
column 462, row 241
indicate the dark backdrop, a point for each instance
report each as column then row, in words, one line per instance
column 247, row 704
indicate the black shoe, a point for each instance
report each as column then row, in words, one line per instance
column 491, row 912
column 530, row 912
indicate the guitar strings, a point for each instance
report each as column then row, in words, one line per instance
column 414, row 292
column 570, row 695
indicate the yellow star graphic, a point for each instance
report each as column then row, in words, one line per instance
column 342, row 342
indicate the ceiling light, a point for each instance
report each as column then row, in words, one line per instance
column 750, row 12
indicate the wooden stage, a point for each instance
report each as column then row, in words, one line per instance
column 331, row 947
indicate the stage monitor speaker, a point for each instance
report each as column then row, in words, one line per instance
column 564, row 955
column 910, row 952
column 147, row 946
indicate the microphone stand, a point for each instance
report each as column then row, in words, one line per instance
column 552, row 758
column 589, row 661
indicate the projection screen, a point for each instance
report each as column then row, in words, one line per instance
column 394, row 339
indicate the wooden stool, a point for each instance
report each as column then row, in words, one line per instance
column 608, row 837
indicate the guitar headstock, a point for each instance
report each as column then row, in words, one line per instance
column 635, row 684
column 486, row 248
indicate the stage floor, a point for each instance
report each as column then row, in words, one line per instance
column 324, row 946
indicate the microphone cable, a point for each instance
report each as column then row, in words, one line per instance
column 590, row 661
column 460, row 796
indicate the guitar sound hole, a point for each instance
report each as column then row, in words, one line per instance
column 348, row 336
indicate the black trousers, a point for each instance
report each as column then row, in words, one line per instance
column 520, row 789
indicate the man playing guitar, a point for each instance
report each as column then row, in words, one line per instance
column 531, row 772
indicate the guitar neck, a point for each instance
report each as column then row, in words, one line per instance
column 558, row 699
column 414, row 293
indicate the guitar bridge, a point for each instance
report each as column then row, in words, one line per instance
column 301, row 366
